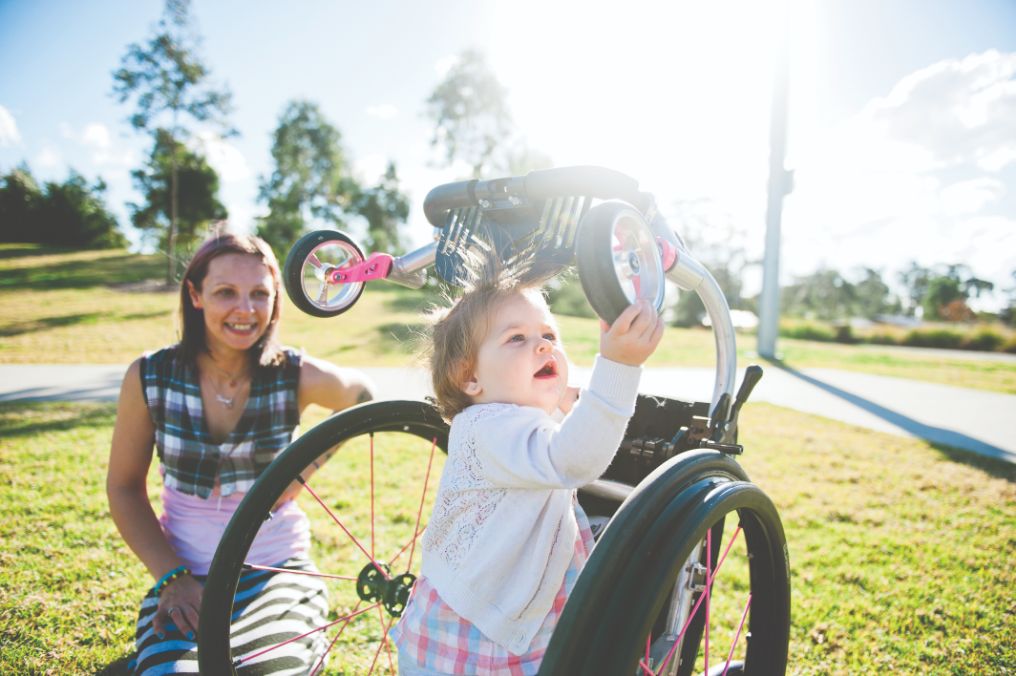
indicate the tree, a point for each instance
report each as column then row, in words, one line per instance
column 20, row 199
column 175, row 172
column 469, row 108
column 384, row 207
column 871, row 295
column 72, row 213
column 949, row 290
column 915, row 280
column 823, row 294
column 715, row 242
column 171, row 85
column 310, row 180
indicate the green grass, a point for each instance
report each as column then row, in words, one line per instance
column 102, row 307
column 901, row 552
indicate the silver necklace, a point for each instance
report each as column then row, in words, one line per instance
column 234, row 381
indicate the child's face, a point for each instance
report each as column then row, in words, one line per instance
column 521, row 359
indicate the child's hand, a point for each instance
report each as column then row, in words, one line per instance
column 634, row 335
column 568, row 399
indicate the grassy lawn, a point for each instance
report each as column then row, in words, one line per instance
column 102, row 307
column 901, row 552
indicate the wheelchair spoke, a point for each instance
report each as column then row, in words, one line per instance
column 423, row 496
column 344, row 620
column 296, row 571
column 737, row 635
column 345, row 530
column 710, row 579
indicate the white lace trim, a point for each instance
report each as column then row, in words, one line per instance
column 465, row 499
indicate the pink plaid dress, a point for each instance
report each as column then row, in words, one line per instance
column 441, row 641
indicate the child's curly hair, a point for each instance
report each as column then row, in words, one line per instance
column 457, row 331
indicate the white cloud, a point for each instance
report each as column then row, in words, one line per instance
column 383, row 111
column 919, row 174
column 224, row 157
column 9, row 135
column 963, row 111
column 48, row 158
column 444, row 64
column 96, row 135
column 969, row 197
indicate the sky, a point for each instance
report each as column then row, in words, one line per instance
column 901, row 126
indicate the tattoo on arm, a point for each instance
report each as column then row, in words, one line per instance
column 365, row 395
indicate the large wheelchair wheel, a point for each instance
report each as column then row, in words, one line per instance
column 618, row 259
column 695, row 524
column 367, row 501
column 307, row 273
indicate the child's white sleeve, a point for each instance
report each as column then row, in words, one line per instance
column 524, row 448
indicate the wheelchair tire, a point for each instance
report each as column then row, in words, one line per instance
column 617, row 617
column 618, row 259
column 308, row 262
column 399, row 435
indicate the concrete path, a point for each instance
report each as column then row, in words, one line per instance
column 974, row 420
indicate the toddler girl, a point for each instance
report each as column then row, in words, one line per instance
column 507, row 537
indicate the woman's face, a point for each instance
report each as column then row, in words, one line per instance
column 237, row 296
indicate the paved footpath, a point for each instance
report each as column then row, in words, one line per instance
column 974, row 420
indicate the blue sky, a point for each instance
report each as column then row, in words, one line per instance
column 902, row 119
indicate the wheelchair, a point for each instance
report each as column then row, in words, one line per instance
column 690, row 572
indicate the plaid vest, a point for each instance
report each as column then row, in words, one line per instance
column 191, row 462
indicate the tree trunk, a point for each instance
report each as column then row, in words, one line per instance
column 171, row 237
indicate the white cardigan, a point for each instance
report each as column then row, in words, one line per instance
column 503, row 529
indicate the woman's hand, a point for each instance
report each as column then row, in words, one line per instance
column 179, row 605
column 634, row 335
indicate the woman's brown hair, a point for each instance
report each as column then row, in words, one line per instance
column 266, row 351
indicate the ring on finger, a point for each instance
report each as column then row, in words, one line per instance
column 172, row 610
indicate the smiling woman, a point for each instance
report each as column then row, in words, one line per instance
column 218, row 407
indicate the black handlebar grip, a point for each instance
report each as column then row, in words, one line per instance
column 593, row 181
column 448, row 196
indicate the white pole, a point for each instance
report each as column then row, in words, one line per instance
column 780, row 184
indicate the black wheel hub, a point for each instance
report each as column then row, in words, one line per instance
column 374, row 584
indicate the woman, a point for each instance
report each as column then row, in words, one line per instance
column 218, row 407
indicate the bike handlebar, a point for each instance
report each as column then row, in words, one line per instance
column 592, row 181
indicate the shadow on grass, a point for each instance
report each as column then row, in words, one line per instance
column 116, row 667
column 14, row 422
column 76, row 274
column 18, row 328
column 957, row 446
column 27, row 250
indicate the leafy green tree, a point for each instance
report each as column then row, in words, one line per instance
column 716, row 243
column 172, row 89
column 823, row 294
column 469, row 109
column 384, row 207
column 174, row 172
column 915, row 280
column 71, row 213
column 872, row 296
column 310, row 180
column 20, row 199
column 74, row 213
column 948, row 292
